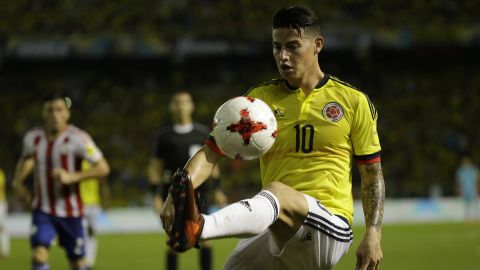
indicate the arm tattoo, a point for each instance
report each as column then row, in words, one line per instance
column 373, row 194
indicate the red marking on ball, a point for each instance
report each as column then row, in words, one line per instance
column 246, row 126
column 274, row 134
column 251, row 99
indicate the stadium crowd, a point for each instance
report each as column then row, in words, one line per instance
column 420, row 75
column 153, row 26
column 427, row 115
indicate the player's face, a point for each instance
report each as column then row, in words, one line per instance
column 56, row 115
column 296, row 55
column 181, row 106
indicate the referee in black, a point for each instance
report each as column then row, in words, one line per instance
column 173, row 145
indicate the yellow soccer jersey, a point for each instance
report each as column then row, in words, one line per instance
column 3, row 186
column 89, row 188
column 318, row 137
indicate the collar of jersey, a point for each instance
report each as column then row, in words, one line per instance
column 320, row 84
column 183, row 129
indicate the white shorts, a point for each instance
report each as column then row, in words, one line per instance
column 92, row 214
column 319, row 244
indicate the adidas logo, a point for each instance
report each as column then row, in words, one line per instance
column 247, row 205
column 278, row 113
column 307, row 237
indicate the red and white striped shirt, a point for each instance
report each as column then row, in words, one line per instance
column 67, row 151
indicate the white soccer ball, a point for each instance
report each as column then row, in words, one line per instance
column 244, row 128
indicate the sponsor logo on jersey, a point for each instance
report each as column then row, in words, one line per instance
column 333, row 112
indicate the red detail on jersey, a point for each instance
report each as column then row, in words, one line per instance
column 274, row 134
column 246, row 126
column 50, row 180
column 369, row 161
column 76, row 186
column 251, row 99
column 38, row 192
column 213, row 145
column 66, row 191
column 37, row 140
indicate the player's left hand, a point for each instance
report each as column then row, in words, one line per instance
column 63, row 176
column 369, row 252
column 167, row 214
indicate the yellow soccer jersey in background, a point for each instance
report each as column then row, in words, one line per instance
column 3, row 186
column 318, row 137
column 89, row 188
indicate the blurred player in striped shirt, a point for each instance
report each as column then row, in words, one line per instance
column 54, row 153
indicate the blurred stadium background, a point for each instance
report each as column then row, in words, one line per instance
column 120, row 60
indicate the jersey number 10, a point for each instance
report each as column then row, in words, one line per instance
column 301, row 139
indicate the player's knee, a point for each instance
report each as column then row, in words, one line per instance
column 292, row 203
column 278, row 189
column 40, row 254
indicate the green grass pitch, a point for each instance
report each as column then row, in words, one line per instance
column 422, row 247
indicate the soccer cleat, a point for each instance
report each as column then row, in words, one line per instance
column 188, row 222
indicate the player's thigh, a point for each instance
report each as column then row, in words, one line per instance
column 71, row 234
column 43, row 229
column 251, row 253
column 320, row 243
column 293, row 211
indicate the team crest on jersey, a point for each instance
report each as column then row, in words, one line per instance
column 333, row 112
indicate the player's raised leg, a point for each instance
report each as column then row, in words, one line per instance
column 277, row 204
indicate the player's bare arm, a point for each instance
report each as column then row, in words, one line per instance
column 369, row 252
column 100, row 169
column 200, row 167
column 24, row 167
column 202, row 164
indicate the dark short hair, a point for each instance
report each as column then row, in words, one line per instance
column 51, row 96
column 298, row 18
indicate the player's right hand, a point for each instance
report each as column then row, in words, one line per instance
column 23, row 193
column 167, row 213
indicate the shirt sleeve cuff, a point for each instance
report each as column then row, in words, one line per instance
column 368, row 159
column 210, row 141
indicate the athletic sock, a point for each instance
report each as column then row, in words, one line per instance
column 91, row 251
column 171, row 260
column 4, row 244
column 206, row 258
column 244, row 218
column 40, row 266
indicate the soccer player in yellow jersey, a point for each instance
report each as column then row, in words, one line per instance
column 4, row 238
column 91, row 191
column 302, row 217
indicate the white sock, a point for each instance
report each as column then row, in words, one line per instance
column 242, row 219
column 4, row 244
column 91, row 248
